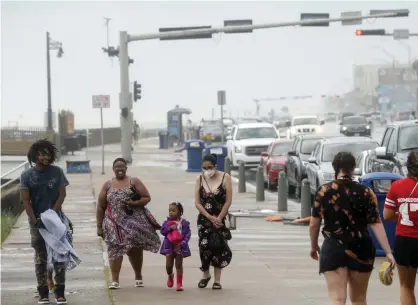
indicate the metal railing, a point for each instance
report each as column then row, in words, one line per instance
column 14, row 174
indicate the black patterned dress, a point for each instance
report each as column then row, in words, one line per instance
column 213, row 203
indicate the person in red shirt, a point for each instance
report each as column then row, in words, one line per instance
column 401, row 204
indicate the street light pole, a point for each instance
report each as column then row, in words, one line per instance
column 48, row 79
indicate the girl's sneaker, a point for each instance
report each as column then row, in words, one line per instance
column 179, row 282
column 170, row 280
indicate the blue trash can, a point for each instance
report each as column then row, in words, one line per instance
column 380, row 183
column 194, row 150
column 221, row 152
column 163, row 137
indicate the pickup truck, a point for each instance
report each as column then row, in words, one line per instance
column 247, row 141
column 399, row 139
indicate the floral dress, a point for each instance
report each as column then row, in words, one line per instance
column 213, row 203
column 122, row 232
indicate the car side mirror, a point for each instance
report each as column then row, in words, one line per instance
column 381, row 152
column 229, row 138
column 357, row 171
column 312, row 160
column 264, row 154
column 292, row 153
column 322, row 122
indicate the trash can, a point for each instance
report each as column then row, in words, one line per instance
column 380, row 184
column 163, row 136
column 194, row 150
column 221, row 152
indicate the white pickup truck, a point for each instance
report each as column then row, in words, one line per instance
column 305, row 125
column 248, row 140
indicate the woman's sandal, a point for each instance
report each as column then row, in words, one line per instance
column 216, row 286
column 204, row 282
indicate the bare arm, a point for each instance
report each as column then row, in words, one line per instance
column 375, row 223
column 197, row 202
column 228, row 189
column 314, row 228
column 389, row 214
column 143, row 192
column 101, row 205
column 24, row 196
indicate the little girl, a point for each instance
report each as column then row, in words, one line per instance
column 175, row 246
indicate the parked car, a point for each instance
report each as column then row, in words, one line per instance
column 273, row 161
column 319, row 169
column 297, row 160
column 247, row 141
column 305, row 125
column 363, row 164
column 398, row 140
column 355, row 126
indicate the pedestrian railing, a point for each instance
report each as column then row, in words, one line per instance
column 13, row 175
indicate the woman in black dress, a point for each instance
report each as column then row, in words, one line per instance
column 347, row 254
column 213, row 196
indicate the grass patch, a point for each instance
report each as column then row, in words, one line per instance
column 7, row 223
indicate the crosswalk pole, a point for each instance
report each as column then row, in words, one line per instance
column 241, row 177
column 282, row 192
column 259, row 194
column 305, row 199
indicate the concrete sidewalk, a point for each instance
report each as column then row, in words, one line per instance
column 86, row 283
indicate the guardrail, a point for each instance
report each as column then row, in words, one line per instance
column 14, row 174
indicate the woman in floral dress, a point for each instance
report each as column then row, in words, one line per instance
column 213, row 197
column 126, row 226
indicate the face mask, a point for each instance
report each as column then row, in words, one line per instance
column 208, row 173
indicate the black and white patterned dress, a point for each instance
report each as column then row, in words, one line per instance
column 213, row 203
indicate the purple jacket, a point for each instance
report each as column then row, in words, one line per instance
column 167, row 247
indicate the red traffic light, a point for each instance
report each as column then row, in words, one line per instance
column 359, row 32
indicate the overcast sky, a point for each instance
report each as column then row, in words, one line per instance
column 266, row 63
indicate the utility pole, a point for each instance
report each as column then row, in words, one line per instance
column 206, row 32
column 48, row 80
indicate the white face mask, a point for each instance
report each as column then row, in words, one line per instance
column 208, row 173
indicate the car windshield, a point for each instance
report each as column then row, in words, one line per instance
column 355, row 120
column 305, row 121
column 408, row 138
column 330, row 150
column 281, row 148
column 256, row 133
column 308, row 146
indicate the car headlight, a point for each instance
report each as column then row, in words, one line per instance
column 327, row 176
column 238, row 148
column 367, row 127
column 277, row 167
column 344, row 128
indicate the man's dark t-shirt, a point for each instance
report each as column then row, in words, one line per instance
column 43, row 186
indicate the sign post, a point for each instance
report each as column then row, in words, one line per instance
column 101, row 101
column 222, row 102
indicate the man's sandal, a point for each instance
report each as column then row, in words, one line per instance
column 204, row 282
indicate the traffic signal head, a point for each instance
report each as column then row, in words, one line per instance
column 137, row 91
column 379, row 32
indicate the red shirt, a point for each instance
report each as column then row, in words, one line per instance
column 402, row 197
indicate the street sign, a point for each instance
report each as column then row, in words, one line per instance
column 351, row 15
column 221, row 98
column 391, row 76
column 235, row 23
column 101, row 101
column 401, row 34
column 312, row 16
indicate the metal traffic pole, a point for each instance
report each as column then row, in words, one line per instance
column 102, row 138
column 124, row 39
column 101, row 101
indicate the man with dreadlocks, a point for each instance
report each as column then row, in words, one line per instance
column 43, row 188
